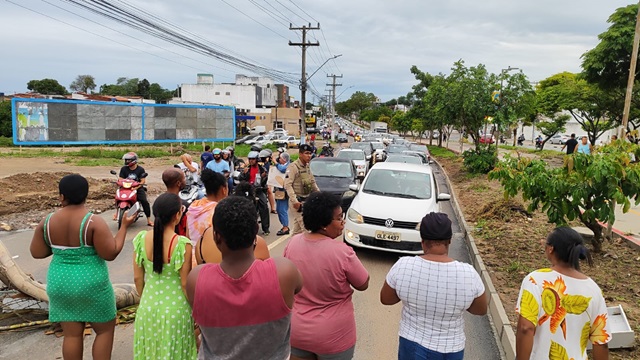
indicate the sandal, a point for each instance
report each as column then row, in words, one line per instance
column 274, row 212
column 283, row 232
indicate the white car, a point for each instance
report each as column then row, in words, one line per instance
column 389, row 205
column 559, row 139
column 358, row 159
column 279, row 132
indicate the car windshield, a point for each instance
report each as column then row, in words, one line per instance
column 407, row 159
column 342, row 136
column 377, row 145
column 418, row 147
column 351, row 155
column 362, row 146
column 398, row 183
column 396, row 148
column 336, row 169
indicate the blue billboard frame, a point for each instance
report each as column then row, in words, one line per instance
column 14, row 118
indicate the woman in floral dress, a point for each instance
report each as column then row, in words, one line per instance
column 561, row 309
column 164, row 328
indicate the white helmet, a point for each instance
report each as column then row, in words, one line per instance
column 253, row 155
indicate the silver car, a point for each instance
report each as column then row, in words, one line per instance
column 358, row 159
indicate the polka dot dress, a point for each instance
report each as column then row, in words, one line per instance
column 164, row 327
column 78, row 283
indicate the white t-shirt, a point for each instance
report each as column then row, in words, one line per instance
column 434, row 297
column 196, row 175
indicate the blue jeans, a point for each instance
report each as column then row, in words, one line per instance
column 409, row 350
column 282, row 207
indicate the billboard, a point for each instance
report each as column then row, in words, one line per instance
column 69, row 122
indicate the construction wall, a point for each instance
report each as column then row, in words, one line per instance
column 68, row 122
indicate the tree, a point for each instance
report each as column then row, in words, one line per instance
column 556, row 124
column 358, row 102
column 6, row 121
column 83, row 83
column 516, row 101
column 583, row 189
column 143, row 88
column 401, row 123
column 46, row 87
column 159, row 94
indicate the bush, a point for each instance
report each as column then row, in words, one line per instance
column 480, row 160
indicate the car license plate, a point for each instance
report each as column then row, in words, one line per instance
column 387, row 236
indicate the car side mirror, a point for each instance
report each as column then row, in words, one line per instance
column 443, row 197
column 354, row 187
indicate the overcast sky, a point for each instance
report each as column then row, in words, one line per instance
column 379, row 40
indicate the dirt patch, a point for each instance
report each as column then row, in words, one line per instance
column 509, row 240
column 28, row 198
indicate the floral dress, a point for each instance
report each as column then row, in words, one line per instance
column 567, row 313
column 164, row 327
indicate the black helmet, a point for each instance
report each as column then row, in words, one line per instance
column 256, row 147
column 130, row 158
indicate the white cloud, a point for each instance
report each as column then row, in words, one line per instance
column 379, row 40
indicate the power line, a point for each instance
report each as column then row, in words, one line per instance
column 296, row 5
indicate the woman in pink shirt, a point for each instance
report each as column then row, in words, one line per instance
column 323, row 325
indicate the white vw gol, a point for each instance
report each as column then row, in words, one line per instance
column 389, row 205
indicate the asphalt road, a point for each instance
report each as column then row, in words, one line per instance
column 377, row 324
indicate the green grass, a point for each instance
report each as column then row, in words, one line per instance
column 6, row 141
column 442, row 153
column 94, row 162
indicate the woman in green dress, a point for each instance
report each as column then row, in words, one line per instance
column 78, row 284
column 164, row 327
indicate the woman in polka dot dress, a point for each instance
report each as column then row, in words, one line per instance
column 78, row 282
column 164, row 328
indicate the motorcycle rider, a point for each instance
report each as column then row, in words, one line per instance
column 256, row 175
column 131, row 170
column 327, row 151
column 521, row 140
column 192, row 170
column 218, row 164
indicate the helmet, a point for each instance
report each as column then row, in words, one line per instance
column 256, row 147
column 282, row 150
column 253, row 155
column 265, row 153
column 325, row 145
column 229, row 149
column 216, row 151
column 130, row 158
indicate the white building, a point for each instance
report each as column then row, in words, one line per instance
column 572, row 127
column 246, row 93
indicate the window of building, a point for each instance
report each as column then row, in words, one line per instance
column 227, row 93
column 217, row 92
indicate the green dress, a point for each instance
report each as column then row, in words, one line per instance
column 78, row 282
column 164, row 327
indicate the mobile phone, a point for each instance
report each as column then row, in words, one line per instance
column 134, row 209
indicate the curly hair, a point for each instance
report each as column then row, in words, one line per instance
column 317, row 210
column 212, row 181
column 246, row 190
column 236, row 220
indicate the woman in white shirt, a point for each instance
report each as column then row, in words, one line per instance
column 435, row 291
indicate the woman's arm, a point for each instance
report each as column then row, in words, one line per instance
column 138, row 275
column 186, row 268
column 388, row 295
column 524, row 338
column 600, row 352
column 107, row 246
column 479, row 305
column 39, row 248
column 262, row 249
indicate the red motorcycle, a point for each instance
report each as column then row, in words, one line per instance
column 127, row 199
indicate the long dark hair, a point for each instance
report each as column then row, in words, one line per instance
column 165, row 208
column 568, row 246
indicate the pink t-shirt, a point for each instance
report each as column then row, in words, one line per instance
column 323, row 319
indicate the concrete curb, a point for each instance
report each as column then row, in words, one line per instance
column 502, row 329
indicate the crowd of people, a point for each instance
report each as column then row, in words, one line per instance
column 210, row 289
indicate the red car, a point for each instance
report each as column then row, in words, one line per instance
column 487, row 139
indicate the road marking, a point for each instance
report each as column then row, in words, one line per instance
column 634, row 211
column 278, row 242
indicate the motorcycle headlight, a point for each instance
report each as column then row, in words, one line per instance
column 355, row 216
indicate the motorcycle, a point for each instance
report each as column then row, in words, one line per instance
column 538, row 144
column 127, row 199
column 327, row 151
column 190, row 191
column 520, row 140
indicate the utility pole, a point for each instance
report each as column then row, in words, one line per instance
column 333, row 102
column 632, row 77
column 303, row 81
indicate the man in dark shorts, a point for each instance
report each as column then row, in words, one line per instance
column 570, row 144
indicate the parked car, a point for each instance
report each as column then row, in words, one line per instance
column 389, row 205
column 342, row 138
column 245, row 138
column 334, row 175
column 256, row 140
column 559, row 139
column 357, row 158
column 288, row 141
column 279, row 132
column 487, row 139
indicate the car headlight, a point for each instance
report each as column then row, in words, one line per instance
column 355, row 216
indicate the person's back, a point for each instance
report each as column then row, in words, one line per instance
column 571, row 145
column 437, row 294
column 250, row 308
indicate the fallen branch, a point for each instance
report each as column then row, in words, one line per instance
column 12, row 276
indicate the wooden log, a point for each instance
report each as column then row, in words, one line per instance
column 12, row 276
